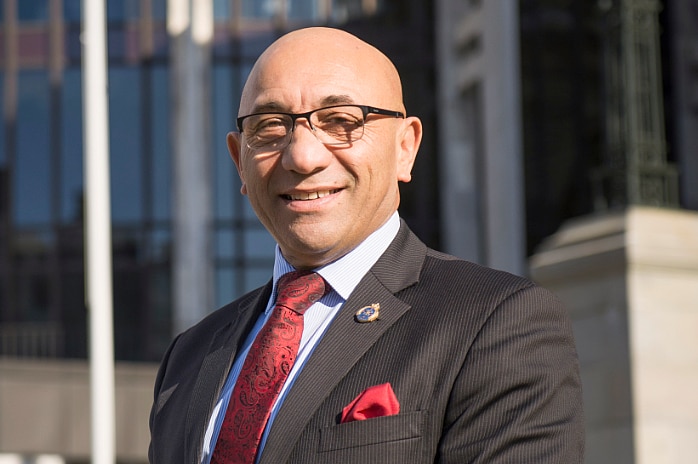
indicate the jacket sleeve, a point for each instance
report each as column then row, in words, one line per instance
column 518, row 395
column 159, row 399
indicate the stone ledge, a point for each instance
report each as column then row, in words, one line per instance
column 640, row 236
column 46, row 408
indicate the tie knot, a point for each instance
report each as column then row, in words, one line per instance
column 298, row 290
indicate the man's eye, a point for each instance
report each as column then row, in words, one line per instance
column 269, row 126
column 341, row 119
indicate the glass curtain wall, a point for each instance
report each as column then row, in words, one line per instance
column 42, row 310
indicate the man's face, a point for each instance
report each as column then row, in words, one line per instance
column 320, row 201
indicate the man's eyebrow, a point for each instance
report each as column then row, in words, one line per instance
column 268, row 107
column 337, row 100
column 276, row 107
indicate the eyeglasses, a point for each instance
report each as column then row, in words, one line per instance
column 332, row 125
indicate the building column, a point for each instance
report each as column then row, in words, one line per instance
column 630, row 282
column 190, row 26
column 480, row 126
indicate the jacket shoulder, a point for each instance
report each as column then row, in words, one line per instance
column 461, row 276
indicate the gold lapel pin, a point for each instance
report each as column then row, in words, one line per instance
column 368, row 313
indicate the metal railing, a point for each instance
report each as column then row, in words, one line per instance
column 31, row 340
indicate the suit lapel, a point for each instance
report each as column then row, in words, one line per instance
column 346, row 341
column 214, row 370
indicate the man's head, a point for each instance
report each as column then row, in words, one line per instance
column 319, row 200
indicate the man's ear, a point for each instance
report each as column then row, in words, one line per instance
column 233, row 141
column 410, row 136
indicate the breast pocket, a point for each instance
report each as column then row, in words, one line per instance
column 388, row 434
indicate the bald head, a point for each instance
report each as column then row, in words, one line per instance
column 310, row 67
column 320, row 200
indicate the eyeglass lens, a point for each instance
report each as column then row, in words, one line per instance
column 333, row 126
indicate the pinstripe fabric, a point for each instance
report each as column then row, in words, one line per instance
column 482, row 363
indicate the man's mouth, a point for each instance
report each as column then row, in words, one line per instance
column 304, row 196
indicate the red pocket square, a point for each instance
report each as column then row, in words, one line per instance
column 375, row 401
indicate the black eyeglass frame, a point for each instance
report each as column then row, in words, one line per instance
column 365, row 110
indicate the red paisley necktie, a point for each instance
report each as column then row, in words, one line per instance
column 265, row 369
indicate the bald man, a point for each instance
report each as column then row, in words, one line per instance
column 410, row 355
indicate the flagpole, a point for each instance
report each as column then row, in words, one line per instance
column 98, row 258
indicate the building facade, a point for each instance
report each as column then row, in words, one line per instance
column 41, row 169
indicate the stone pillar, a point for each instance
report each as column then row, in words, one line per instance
column 630, row 281
column 190, row 26
column 480, row 128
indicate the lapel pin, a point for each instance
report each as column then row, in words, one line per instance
column 368, row 313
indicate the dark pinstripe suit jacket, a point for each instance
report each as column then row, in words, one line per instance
column 482, row 362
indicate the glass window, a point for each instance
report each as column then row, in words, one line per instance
column 306, row 9
column 120, row 10
column 221, row 9
column 159, row 10
column 71, row 10
column 226, row 286
column 117, row 41
column 262, row 8
column 256, row 277
column 3, row 127
column 160, row 246
column 225, row 243
column 160, row 99
column 72, row 301
column 71, row 147
column 32, row 10
column 251, row 47
column 32, row 281
column 342, row 10
column 125, row 147
column 259, row 243
column 33, row 293
column 73, row 47
column 247, row 211
column 159, row 321
column 224, row 103
column 33, row 166
column 129, row 295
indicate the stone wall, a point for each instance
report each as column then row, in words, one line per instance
column 45, row 409
column 630, row 281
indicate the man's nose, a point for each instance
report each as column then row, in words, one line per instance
column 305, row 153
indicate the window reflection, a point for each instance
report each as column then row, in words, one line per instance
column 262, row 8
column 227, row 188
column 159, row 9
column 225, row 286
column 32, row 179
column 71, row 10
column 32, row 10
column 71, row 176
column 125, row 144
column 120, row 10
column 42, row 187
column 3, row 130
column 221, row 9
column 159, row 101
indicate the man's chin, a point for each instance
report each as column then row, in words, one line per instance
column 310, row 253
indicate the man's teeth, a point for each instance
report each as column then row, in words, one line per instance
column 310, row 195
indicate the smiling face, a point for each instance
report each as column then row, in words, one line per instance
column 320, row 201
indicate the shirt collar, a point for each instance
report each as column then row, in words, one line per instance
column 344, row 274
